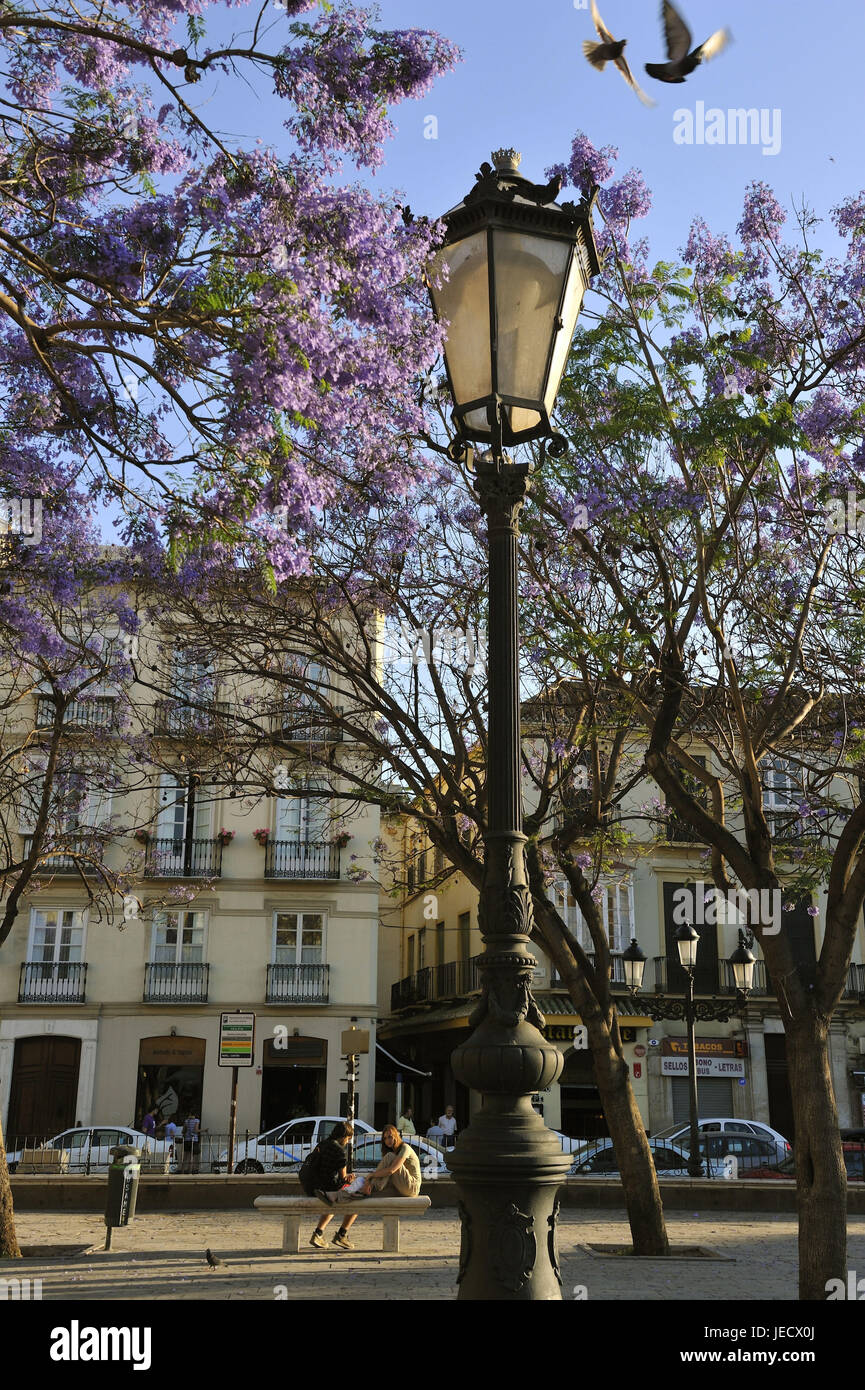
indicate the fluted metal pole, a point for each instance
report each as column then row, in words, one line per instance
column 507, row 1165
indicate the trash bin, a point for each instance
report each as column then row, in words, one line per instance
column 123, row 1176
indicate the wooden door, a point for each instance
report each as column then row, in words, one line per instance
column 44, row 1086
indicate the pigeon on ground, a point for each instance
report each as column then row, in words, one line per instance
column 612, row 50
column 213, row 1260
column 682, row 59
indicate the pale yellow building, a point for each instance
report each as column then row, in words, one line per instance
column 233, row 900
column 433, row 943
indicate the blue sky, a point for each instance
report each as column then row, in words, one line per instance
column 524, row 82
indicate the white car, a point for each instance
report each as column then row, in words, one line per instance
column 285, row 1146
column 89, row 1147
column 679, row 1133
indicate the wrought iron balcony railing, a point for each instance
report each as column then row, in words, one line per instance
column 180, row 720
column 301, row 859
column 82, row 851
column 176, row 984
column 184, row 859
column 49, row 982
column 300, row 724
column 451, row 980
column 297, row 984
column 98, row 713
column 670, row 978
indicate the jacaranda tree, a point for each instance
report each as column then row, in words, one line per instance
column 714, row 579
column 200, row 332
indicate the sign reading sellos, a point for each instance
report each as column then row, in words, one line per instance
column 236, row 1040
column 706, row 1066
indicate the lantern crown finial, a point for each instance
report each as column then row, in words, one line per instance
column 506, row 161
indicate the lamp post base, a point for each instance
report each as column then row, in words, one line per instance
column 508, row 1169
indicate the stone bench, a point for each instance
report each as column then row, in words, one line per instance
column 43, row 1161
column 294, row 1210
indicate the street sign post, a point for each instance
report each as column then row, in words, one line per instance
column 236, row 1049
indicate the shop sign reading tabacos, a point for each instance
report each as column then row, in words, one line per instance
column 715, row 1056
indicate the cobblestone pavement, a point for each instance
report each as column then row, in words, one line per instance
column 162, row 1257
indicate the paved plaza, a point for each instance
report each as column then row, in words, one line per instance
column 161, row 1256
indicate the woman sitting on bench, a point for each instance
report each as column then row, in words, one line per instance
column 398, row 1174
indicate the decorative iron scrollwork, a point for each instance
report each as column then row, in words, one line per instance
column 513, row 1247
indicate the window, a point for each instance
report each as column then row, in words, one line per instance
column 298, row 938
column 72, row 1139
column 464, row 935
column 440, row 943
column 178, row 938
column 184, row 808
column 706, row 972
column 56, row 937
column 409, row 956
column 681, row 830
column 616, row 904
column 192, row 675
column 782, row 795
column 421, row 948
column 304, row 818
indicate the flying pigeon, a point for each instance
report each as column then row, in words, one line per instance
column 681, row 59
column 613, row 50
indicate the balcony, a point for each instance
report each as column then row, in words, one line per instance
column 297, row 984
column 437, row 982
column 617, row 969
column 184, row 859
column 678, row 832
column 175, row 984
column 855, row 988
column 50, row 983
column 760, row 987
column 670, row 978
column 297, row 724
column 98, row 713
column 88, row 847
column 179, row 720
column 300, row 859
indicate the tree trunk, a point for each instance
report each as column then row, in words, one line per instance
column 821, row 1179
column 639, row 1180
column 9, row 1247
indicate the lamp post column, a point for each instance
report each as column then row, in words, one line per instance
column 507, row 1165
column 695, row 1167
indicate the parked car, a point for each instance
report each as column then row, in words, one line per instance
column 749, row 1151
column 433, row 1158
column 671, row 1161
column 726, row 1125
column 285, row 1146
column 89, row 1146
column 854, row 1162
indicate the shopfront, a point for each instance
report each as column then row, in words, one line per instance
column 720, row 1068
column 170, row 1078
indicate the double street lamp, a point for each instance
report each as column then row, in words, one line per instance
column 706, row 1011
column 508, row 282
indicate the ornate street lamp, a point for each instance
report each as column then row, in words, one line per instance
column 634, row 962
column 742, row 960
column 509, row 281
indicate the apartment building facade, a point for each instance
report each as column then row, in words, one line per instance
column 742, row 1070
column 234, row 899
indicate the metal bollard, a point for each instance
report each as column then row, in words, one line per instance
column 123, row 1178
